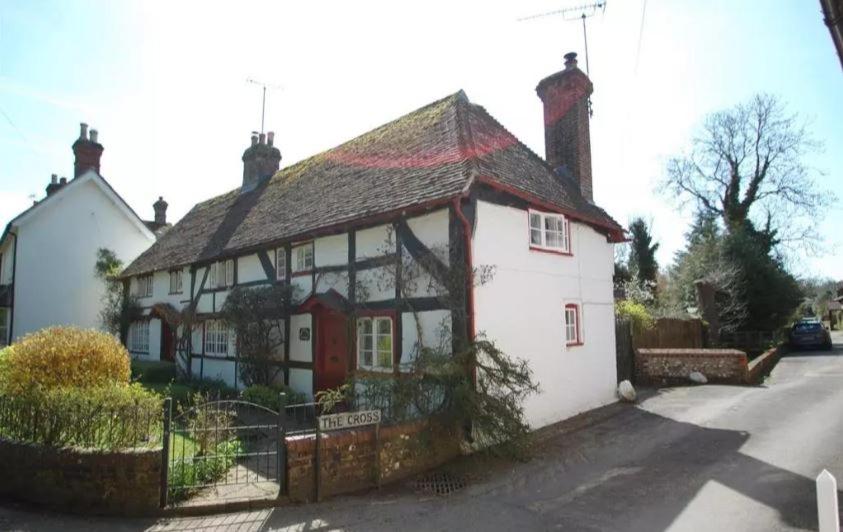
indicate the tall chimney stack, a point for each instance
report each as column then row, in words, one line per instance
column 567, row 138
column 87, row 151
column 160, row 208
column 260, row 161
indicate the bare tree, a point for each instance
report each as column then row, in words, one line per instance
column 748, row 164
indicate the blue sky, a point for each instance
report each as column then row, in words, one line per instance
column 165, row 84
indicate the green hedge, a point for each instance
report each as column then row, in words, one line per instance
column 268, row 396
column 153, row 372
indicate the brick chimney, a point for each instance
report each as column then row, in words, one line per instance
column 55, row 184
column 160, row 208
column 87, row 151
column 567, row 141
column 260, row 160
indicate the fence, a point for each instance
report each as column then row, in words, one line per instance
column 83, row 424
column 625, row 354
column 672, row 333
column 753, row 342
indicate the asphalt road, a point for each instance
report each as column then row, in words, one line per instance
column 688, row 458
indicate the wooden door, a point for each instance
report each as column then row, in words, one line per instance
column 331, row 349
column 168, row 342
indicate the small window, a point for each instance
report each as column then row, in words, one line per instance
column 550, row 232
column 139, row 337
column 175, row 281
column 144, row 286
column 572, row 325
column 221, row 274
column 217, row 338
column 374, row 343
column 303, row 258
column 280, row 264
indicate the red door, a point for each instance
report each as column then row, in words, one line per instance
column 331, row 349
column 168, row 342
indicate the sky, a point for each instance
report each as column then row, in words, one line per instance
column 165, row 84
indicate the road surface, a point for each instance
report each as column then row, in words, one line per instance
column 687, row 458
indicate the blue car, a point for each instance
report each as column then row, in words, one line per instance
column 810, row 332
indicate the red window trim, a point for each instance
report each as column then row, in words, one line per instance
column 578, row 328
column 384, row 313
column 541, row 249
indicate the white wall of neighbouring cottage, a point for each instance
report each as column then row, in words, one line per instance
column 57, row 247
column 522, row 310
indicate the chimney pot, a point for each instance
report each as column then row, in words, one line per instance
column 260, row 161
column 261, row 139
column 254, row 138
column 54, row 179
column 94, row 135
column 63, row 181
column 83, row 131
column 570, row 60
column 270, row 138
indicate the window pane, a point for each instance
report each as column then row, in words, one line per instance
column 280, row 264
column 535, row 221
column 384, row 326
column 368, row 340
column 553, row 239
column 367, row 326
column 385, row 343
column 367, row 358
column 536, row 237
column 385, row 359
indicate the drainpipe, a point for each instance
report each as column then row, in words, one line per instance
column 469, row 267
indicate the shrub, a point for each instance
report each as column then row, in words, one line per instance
column 63, row 356
column 110, row 416
column 636, row 313
column 267, row 396
column 157, row 372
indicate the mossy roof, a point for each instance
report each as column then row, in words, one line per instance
column 433, row 153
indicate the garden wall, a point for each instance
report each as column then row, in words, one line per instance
column 82, row 480
column 669, row 366
column 348, row 457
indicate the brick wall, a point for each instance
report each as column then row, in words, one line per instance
column 667, row 366
column 349, row 463
column 761, row 365
column 82, row 480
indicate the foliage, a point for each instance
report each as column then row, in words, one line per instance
column 329, row 399
column 63, row 356
column 818, row 292
column 748, row 162
column 268, row 396
column 117, row 311
column 636, row 313
column 150, row 371
column 108, row 416
column 642, row 253
column 439, row 384
column 256, row 315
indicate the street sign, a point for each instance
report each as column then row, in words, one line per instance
column 348, row 420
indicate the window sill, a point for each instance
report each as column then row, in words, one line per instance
column 574, row 344
column 174, row 293
column 375, row 372
column 301, row 273
column 552, row 251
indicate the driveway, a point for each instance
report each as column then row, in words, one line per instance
column 688, row 458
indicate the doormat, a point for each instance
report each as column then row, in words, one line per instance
column 438, row 483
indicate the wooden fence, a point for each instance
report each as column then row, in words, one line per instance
column 672, row 333
column 623, row 349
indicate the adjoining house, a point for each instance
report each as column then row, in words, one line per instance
column 446, row 189
column 48, row 252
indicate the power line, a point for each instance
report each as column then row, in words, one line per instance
column 15, row 127
column 640, row 37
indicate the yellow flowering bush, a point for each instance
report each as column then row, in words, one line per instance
column 58, row 357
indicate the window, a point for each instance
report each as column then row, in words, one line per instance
column 303, row 258
column 217, row 338
column 280, row 264
column 139, row 337
column 550, row 232
column 374, row 343
column 572, row 325
column 175, row 281
column 4, row 326
column 221, row 274
column 144, row 286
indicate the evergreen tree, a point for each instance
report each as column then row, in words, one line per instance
column 642, row 253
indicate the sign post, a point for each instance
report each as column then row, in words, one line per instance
column 345, row 420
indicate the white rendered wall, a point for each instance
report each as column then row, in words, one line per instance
column 57, row 248
column 521, row 309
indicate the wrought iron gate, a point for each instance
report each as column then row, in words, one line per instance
column 226, row 445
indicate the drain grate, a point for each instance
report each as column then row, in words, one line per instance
column 438, row 483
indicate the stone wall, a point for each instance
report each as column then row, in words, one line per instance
column 761, row 365
column 81, row 480
column 670, row 366
column 349, row 460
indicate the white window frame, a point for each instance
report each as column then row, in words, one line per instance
column 375, row 335
column 280, row 264
column 144, row 285
column 573, row 331
column 303, row 258
column 542, row 231
column 176, row 281
column 221, row 274
column 139, row 337
column 218, row 339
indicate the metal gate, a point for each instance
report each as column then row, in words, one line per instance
column 223, row 449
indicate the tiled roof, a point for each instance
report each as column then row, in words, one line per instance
column 434, row 153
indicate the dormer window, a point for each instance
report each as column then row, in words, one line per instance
column 549, row 232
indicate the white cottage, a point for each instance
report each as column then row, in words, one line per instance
column 48, row 252
column 441, row 191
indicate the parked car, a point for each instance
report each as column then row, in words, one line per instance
column 809, row 332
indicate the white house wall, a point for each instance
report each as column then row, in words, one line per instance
column 301, row 350
column 374, row 242
column 57, row 247
column 330, row 250
column 435, row 328
column 250, row 269
column 522, row 310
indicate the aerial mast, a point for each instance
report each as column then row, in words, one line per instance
column 263, row 86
